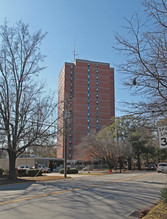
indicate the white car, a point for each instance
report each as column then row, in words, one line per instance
column 43, row 168
column 162, row 167
column 87, row 168
column 23, row 167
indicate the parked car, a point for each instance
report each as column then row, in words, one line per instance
column 87, row 168
column 151, row 167
column 43, row 168
column 23, row 167
column 162, row 167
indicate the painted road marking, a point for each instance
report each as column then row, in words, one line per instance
column 69, row 190
column 104, row 196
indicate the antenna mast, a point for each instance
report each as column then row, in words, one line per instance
column 74, row 51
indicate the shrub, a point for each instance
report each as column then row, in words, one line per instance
column 33, row 172
column 69, row 171
column 1, row 172
column 6, row 172
column 61, row 171
column 73, row 171
column 164, row 194
column 21, row 172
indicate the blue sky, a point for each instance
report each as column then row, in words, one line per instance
column 90, row 25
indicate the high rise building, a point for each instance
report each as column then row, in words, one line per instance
column 86, row 98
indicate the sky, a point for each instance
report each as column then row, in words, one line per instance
column 89, row 26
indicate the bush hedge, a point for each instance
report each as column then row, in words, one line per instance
column 29, row 172
column 21, row 172
column 33, row 172
column 164, row 194
column 1, row 172
column 6, row 172
column 69, row 171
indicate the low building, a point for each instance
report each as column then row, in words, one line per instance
column 54, row 163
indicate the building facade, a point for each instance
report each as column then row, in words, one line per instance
column 85, row 102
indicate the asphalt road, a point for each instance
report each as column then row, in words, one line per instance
column 108, row 196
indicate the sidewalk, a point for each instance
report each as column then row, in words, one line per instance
column 54, row 176
column 80, row 174
column 44, row 177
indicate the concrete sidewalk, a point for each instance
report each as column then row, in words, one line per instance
column 68, row 175
column 80, row 174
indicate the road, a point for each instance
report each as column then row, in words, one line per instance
column 112, row 196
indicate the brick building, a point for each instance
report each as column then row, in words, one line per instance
column 86, row 92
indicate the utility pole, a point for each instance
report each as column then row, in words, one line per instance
column 65, row 142
column 66, row 117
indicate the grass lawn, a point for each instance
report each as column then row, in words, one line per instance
column 5, row 181
column 159, row 212
column 42, row 178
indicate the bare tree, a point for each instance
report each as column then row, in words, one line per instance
column 102, row 147
column 145, row 69
column 44, row 151
column 123, row 151
column 26, row 113
column 126, row 138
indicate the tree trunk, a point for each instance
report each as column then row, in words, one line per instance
column 109, row 166
column 138, row 161
column 12, row 161
column 147, row 159
column 129, row 163
column 120, row 164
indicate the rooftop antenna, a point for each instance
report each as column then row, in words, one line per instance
column 75, row 54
